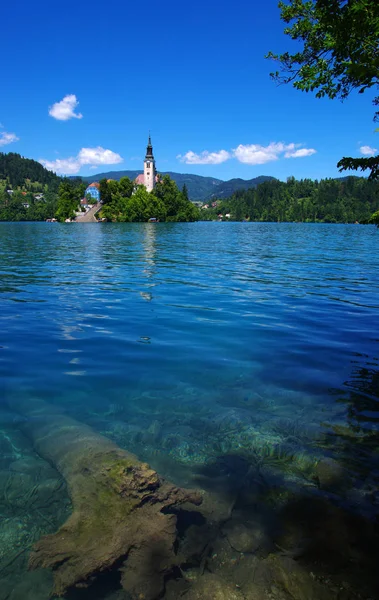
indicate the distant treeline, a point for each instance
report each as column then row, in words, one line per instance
column 344, row 200
column 18, row 171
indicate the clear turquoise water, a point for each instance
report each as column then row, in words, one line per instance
column 193, row 345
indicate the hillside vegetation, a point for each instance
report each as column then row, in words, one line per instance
column 29, row 192
column 344, row 200
column 17, row 171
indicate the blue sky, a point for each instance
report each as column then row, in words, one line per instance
column 193, row 73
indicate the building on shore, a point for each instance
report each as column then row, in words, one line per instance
column 93, row 190
column 149, row 176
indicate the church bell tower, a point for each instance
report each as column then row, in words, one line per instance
column 149, row 171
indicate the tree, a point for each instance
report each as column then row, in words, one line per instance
column 69, row 197
column 105, row 193
column 126, row 187
column 375, row 218
column 339, row 54
column 185, row 191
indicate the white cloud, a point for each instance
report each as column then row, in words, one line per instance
column 98, row 156
column 65, row 109
column 300, row 153
column 62, row 166
column 86, row 156
column 7, row 138
column 368, row 151
column 255, row 154
column 205, row 158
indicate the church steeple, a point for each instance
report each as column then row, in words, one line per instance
column 149, row 150
column 149, row 171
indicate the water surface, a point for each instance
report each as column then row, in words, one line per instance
column 194, row 346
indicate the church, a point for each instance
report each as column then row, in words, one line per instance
column 149, row 176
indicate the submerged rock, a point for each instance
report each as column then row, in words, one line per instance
column 244, row 538
column 331, row 476
column 212, row 587
column 289, row 576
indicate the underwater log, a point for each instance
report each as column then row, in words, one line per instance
column 121, row 515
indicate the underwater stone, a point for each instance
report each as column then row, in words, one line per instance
column 295, row 580
column 212, row 587
column 243, row 538
column 330, row 475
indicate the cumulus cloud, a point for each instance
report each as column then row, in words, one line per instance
column 92, row 157
column 65, row 109
column 205, row 158
column 255, row 154
column 368, row 151
column 98, row 156
column 7, row 138
column 249, row 154
column 299, row 153
column 62, row 166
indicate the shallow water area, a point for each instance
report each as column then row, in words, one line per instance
column 239, row 358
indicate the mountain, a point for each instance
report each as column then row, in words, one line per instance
column 198, row 187
column 16, row 170
column 226, row 188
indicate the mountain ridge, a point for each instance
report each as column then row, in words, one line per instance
column 200, row 188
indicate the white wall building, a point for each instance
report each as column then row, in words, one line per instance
column 149, row 176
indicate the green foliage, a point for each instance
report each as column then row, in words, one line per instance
column 339, row 53
column 19, row 171
column 105, row 192
column 185, row 191
column 374, row 218
column 20, row 207
column 90, row 199
column 166, row 203
column 344, row 200
column 69, row 196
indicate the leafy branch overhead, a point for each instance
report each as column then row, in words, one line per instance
column 339, row 54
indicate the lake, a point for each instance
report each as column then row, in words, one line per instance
column 203, row 348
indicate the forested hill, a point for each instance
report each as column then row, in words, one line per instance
column 227, row 188
column 16, row 170
column 344, row 200
column 198, row 187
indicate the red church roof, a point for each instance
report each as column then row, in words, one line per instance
column 140, row 179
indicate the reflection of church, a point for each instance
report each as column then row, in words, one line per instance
column 149, row 176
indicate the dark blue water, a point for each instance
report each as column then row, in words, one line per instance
column 187, row 343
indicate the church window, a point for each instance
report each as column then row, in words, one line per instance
column 148, row 165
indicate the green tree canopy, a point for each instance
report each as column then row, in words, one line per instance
column 339, row 54
column 343, row 200
column 69, row 196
